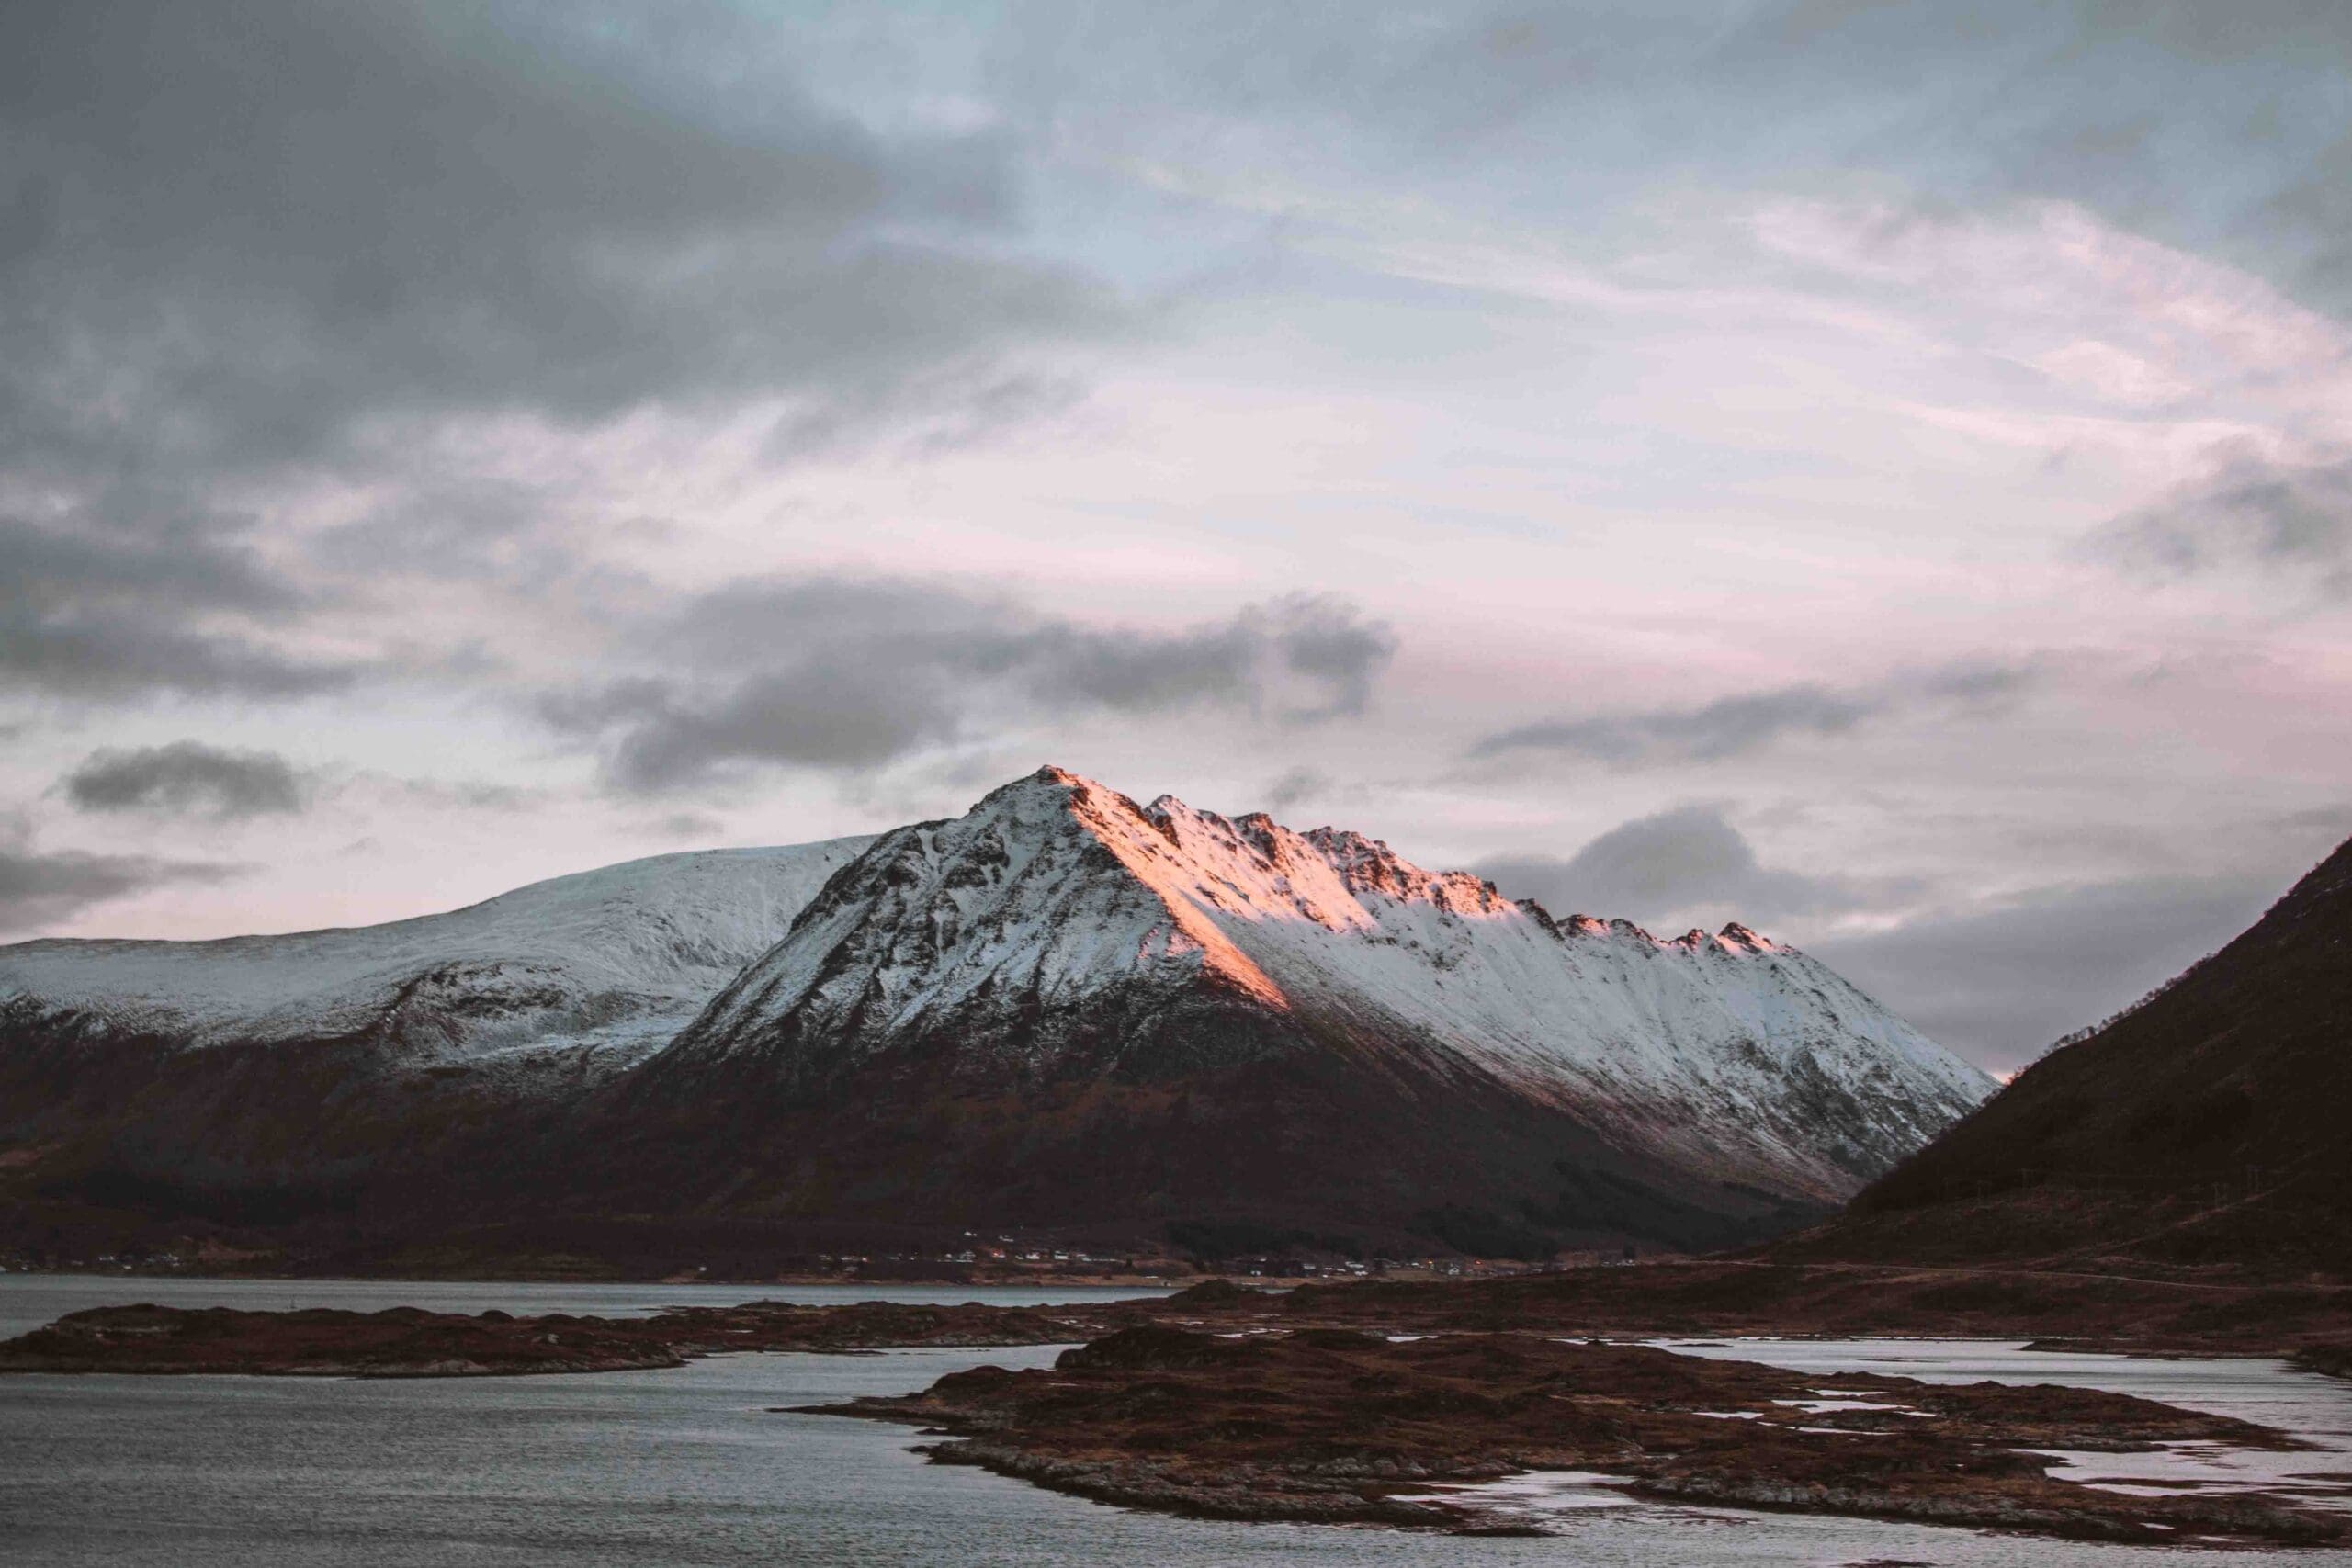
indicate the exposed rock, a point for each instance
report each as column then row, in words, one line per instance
column 1352, row 1428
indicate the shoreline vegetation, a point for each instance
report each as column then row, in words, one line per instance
column 1378, row 1402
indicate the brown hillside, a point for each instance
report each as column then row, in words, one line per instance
column 2209, row 1129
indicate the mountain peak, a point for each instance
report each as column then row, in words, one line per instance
column 1048, row 778
column 1061, row 930
column 1253, row 867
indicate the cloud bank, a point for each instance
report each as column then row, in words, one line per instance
column 1729, row 727
column 1684, row 863
column 188, row 778
column 848, row 674
column 39, row 888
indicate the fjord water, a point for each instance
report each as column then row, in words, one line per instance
column 690, row 1467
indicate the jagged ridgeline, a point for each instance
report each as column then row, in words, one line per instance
column 1062, row 1008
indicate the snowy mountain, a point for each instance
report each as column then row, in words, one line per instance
column 1062, row 1010
column 1065, row 948
column 616, row 960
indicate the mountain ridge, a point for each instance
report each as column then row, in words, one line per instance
column 1061, row 941
column 1325, row 920
column 1062, row 1008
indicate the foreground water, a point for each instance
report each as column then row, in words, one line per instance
column 689, row 1467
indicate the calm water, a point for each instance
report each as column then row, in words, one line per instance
column 688, row 1467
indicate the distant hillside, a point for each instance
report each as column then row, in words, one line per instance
column 2209, row 1128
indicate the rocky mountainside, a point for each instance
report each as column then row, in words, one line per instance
column 1065, row 1005
column 2204, row 1130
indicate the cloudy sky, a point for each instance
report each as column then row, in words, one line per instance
column 1883, row 471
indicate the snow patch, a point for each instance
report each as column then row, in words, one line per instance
column 616, row 959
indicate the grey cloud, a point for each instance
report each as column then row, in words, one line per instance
column 246, row 213
column 1304, row 658
column 2000, row 982
column 455, row 524
column 850, row 674
column 1684, row 864
column 1326, row 643
column 264, row 242
column 92, row 606
column 188, row 778
column 1730, row 726
column 192, row 556
column 2291, row 519
column 45, row 888
column 1294, row 787
column 1717, row 730
column 662, row 733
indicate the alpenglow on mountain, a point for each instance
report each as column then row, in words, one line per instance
column 1062, row 1009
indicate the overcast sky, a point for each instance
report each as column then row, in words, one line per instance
column 1880, row 471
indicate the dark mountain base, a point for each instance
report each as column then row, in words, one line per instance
column 546, row 1169
column 2287, row 1233
column 1340, row 1149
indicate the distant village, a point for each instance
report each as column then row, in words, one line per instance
column 999, row 1260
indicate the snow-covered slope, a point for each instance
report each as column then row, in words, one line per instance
column 1060, row 930
column 619, row 957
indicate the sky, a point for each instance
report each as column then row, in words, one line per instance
column 1879, row 471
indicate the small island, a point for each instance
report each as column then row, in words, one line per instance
column 1337, row 1426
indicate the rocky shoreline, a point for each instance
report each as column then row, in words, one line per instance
column 2109, row 1314
column 1327, row 1425
column 405, row 1342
